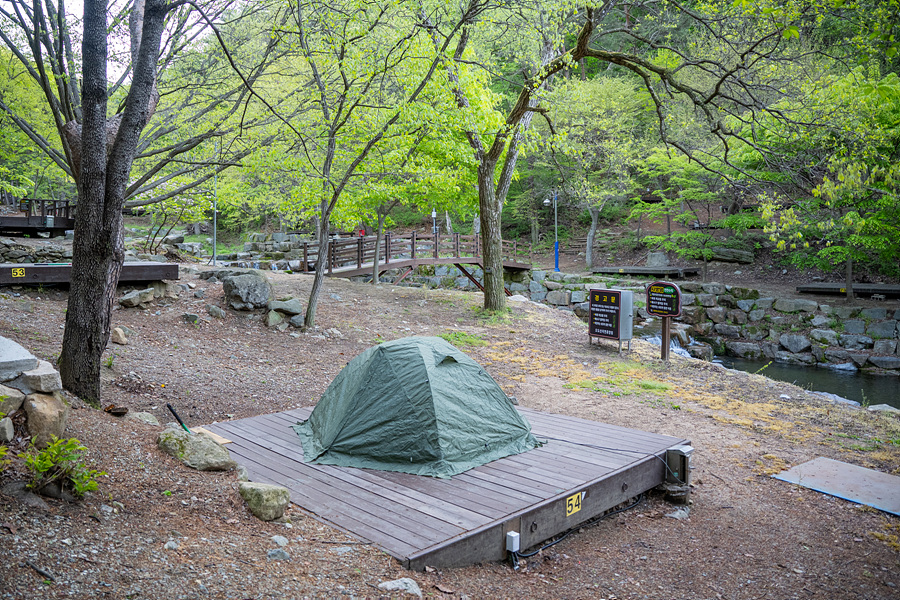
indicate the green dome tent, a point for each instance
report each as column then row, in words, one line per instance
column 415, row 405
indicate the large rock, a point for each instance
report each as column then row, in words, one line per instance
column 791, row 305
column 824, row 336
column 657, row 259
column 289, row 307
column 732, row 331
column 723, row 254
column 267, row 502
column 716, row 314
column 855, row 342
column 137, row 298
column 764, row 303
column 247, row 291
column 885, row 362
column 875, row 314
column 885, row 347
column 714, row 288
column 405, row 585
column 882, row 329
column 558, row 297
column 11, row 400
column 795, row 343
column 14, row 359
column 196, row 450
column 46, row 418
column 744, row 350
column 43, row 378
column 707, row 300
column 791, row 358
column 836, row 355
column 854, row 326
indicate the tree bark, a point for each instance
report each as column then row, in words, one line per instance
column 592, row 233
column 491, row 238
column 98, row 249
column 376, row 259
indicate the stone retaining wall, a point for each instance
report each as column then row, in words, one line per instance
column 46, row 252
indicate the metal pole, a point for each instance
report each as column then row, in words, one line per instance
column 555, row 232
column 666, row 337
column 215, row 204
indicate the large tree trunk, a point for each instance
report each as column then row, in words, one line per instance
column 491, row 239
column 98, row 249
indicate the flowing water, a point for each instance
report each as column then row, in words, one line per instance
column 865, row 388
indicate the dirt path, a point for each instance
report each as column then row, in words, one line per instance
column 748, row 536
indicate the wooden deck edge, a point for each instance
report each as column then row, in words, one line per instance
column 545, row 520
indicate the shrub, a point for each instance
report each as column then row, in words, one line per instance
column 61, row 462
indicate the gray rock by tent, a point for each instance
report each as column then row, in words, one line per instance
column 198, row 450
column 267, row 502
column 247, row 291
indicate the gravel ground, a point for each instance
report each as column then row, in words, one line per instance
column 156, row 529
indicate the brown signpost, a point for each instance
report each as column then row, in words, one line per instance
column 664, row 300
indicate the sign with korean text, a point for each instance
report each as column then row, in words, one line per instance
column 610, row 314
column 663, row 299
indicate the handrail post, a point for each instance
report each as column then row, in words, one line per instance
column 329, row 254
column 413, row 245
column 305, row 256
column 436, row 242
column 387, row 247
column 456, row 244
column 359, row 253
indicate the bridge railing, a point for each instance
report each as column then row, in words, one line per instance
column 356, row 252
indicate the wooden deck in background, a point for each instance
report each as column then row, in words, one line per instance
column 681, row 272
column 464, row 520
column 40, row 273
column 859, row 289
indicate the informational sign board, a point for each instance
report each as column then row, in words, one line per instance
column 663, row 299
column 611, row 314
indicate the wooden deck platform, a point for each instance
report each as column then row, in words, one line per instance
column 464, row 520
column 859, row 289
column 40, row 273
column 680, row 272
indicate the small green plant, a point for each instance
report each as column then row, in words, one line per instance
column 3, row 460
column 108, row 363
column 762, row 368
column 167, row 493
column 461, row 338
column 60, row 462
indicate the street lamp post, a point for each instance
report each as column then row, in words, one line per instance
column 547, row 202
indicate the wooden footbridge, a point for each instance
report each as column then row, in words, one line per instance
column 353, row 257
column 33, row 216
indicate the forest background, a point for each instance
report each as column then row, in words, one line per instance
column 328, row 115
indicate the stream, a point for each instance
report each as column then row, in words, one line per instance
column 865, row 388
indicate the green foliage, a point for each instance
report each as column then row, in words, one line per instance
column 61, row 462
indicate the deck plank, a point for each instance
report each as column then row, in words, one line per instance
column 448, row 522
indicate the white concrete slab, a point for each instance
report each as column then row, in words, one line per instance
column 850, row 482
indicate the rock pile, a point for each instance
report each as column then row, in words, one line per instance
column 33, row 386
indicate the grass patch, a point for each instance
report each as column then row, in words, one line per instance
column 461, row 338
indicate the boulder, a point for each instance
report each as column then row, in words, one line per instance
column 752, row 332
column 7, row 431
column 855, row 342
column 791, row 305
column 819, row 321
column 756, row 315
column 731, row 331
column 582, row 309
column 46, row 418
column 688, row 299
column 43, row 378
column 267, row 502
column 117, row 336
column 859, row 359
column 578, row 296
column 882, row 329
column 792, row 358
column 845, row 312
column 746, row 305
column 793, row 342
column 707, row 300
column 692, row 314
column 142, row 417
column 196, row 450
column 552, row 285
column 11, row 400
column 824, row 336
column 247, row 291
column 884, row 347
column 289, row 307
column 742, row 293
column 875, row 314
column 535, row 287
column 558, row 298
column 737, row 316
column 726, row 300
column 14, row 359
column 836, row 355
column 713, row 288
column 137, row 298
column 700, row 350
column 404, row 585
column 716, row 314
column 747, row 350
column 274, row 318
column 764, row 303
column 855, row 326
column 885, row 362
